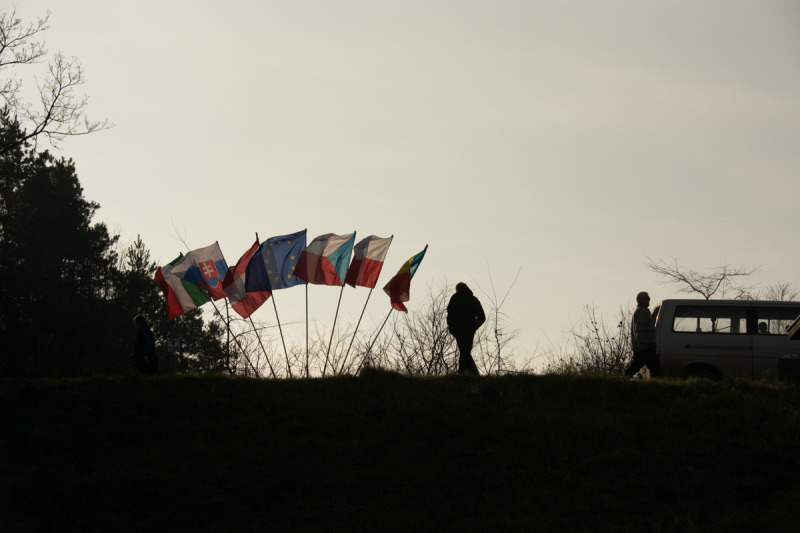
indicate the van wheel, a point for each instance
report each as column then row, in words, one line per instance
column 703, row 372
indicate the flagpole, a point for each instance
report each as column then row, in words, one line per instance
column 228, row 324
column 356, row 331
column 307, row 373
column 235, row 338
column 374, row 341
column 333, row 330
column 277, row 318
column 255, row 330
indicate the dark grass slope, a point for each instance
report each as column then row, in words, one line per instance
column 384, row 452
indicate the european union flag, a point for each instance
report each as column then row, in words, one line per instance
column 272, row 266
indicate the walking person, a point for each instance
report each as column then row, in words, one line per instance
column 144, row 347
column 643, row 339
column 464, row 316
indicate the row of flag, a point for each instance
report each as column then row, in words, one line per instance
column 280, row 262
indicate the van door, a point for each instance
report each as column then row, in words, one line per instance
column 770, row 342
column 710, row 337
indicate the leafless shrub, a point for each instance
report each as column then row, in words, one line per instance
column 594, row 347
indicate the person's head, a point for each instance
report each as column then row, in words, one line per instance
column 643, row 299
column 762, row 327
column 141, row 321
column 462, row 287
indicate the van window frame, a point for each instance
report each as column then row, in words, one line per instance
column 757, row 312
column 743, row 317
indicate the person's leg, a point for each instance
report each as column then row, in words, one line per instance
column 636, row 364
column 466, row 364
column 653, row 363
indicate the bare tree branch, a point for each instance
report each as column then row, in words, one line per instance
column 723, row 279
column 60, row 112
column 18, row 48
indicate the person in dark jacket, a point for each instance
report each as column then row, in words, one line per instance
column 464, row 316
column 144, row 347
column 643, row 339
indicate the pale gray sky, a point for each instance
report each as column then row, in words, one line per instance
column 566, row 140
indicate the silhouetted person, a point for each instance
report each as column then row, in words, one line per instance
column 643, row 339
column 464, row 317
column 144, row 347
column 763, row 329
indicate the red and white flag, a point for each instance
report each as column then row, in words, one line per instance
column 368, row 257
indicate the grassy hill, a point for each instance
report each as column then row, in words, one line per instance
column 383, row 452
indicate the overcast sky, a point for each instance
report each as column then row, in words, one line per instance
column 568, row 141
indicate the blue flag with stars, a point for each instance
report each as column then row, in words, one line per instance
column 272, row 266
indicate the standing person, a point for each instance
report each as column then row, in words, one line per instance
column 144, row 347
column 643, row 339
column 464, row 317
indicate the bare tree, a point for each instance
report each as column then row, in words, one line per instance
column 60, row 111
column 725, row 279
column 778, row 292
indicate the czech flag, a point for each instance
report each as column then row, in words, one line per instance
column 368, row 257
column 325, row 260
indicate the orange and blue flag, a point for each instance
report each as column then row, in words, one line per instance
column 399, row 286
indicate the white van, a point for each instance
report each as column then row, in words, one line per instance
column 724, row 338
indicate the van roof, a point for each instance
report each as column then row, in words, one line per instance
column 744, row 303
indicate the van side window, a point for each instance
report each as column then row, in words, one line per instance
column 775, row 320
column 710, row 319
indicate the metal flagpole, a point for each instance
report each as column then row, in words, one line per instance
column 307, row 373
column 227, row 323
column 333, row 330
column 255, row 330
column 366, row 356
column 235, row 338
column 277, row 318
column 356, row 331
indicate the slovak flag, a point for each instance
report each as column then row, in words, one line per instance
column 368, row 257
column 182, row 296
column 243, row 302
column 325, row 260
column 206, row 267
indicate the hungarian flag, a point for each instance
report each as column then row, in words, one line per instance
column 368, row 257
column 325, row 260
column 182, row 295
column 273, row 265
column 400, row 285
column 243, row 302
